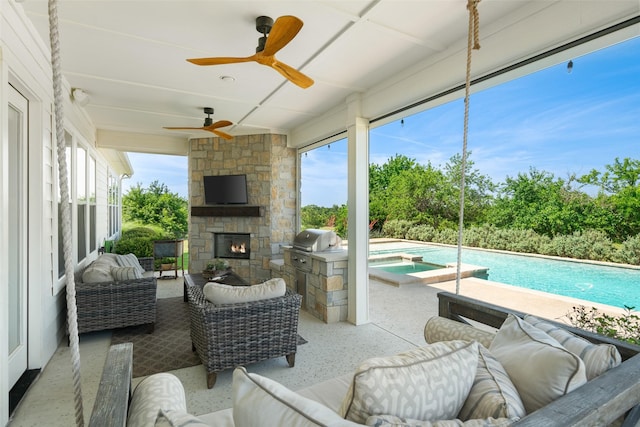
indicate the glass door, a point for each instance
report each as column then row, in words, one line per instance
column 17, row 238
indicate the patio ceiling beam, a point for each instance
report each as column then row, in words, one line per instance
column 142, row 143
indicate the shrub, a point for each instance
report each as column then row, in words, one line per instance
column 625, row 327
column 421, row 232
column 630, row 251
column 447, row 236
column 139, row 241
column 396, row 228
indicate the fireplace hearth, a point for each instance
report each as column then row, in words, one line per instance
column 232, row 245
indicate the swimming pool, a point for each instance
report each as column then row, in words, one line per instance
column 405, row 267
column 616, row 286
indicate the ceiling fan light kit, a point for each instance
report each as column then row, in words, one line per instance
column 280, row 33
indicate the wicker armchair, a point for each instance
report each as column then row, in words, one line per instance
column 230, row 335
column 114, row 304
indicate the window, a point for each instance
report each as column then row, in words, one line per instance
column 81, row 201
column 93, row 244
column 113, row 203
column 68, row 142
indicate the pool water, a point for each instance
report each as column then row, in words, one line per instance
column 616, row 286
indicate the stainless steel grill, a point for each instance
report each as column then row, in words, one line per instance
column 314, row 240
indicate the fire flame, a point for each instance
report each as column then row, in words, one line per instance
column 238, row 249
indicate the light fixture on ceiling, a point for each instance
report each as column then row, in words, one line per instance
column 228, row 79
column 79, row 96
column 570, row 66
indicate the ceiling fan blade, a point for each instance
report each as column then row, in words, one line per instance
column 283, row 31
column 220, row 124
column 292, row 74
column 220, row 60
column 222, row 134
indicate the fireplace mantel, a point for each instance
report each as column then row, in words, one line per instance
column 225, row 210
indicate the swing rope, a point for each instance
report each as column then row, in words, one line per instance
column 473, row 42
column 72, row 314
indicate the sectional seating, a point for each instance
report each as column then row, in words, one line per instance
column 115, row 291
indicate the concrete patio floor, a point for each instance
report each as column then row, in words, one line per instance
column 397, row 318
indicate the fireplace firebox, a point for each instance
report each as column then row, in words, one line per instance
column 232, row 245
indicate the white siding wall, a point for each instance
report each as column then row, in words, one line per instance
column 24, row 62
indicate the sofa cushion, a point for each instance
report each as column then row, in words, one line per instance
column 218, row 293
column 492, row 394
column 442, row 329
column 393, row 421
column 130, row 260
column 540, row 368
column 428, row 383
column 97, row 272
column 259, row 401
column 125, row 273
column 597, row 358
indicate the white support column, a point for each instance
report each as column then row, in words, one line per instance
column 358, row 219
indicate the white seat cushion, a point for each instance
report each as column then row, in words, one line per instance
column 219, row 294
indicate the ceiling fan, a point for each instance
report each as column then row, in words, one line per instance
column 280, row 34
column 209, row 125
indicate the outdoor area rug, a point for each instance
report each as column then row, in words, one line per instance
column 169, row 346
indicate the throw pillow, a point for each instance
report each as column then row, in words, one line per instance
column 218, row 293
column 442, row 329
column 540, row 368
column 157, row 391
column 597, row 358
column 130, row 260
column 492, row 394
column 172, row 418
column 125, row 273
column 259, row 401
column 392, row 421
column 429, row 383
column 97, row 272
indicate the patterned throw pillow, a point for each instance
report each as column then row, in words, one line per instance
column 157, row 391
column 428, row 383
column 125, row 273
column 442, row 329
column 392, row 421
column 172, row 418
column 597, row 358
column 492, row 394
column 540, row 368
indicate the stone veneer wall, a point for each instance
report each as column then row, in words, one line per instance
column 271, row 184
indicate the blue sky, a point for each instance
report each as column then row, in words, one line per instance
column 552, row 120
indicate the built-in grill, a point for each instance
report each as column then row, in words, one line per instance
column 305, row 243
column 314, row 240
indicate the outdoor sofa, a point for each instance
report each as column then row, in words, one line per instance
column 116, row 291
column 605, row 399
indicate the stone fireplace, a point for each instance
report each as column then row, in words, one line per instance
column 268, row 220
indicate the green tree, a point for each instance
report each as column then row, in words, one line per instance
column 380, row 178
column 158, row 206
column 619, row 195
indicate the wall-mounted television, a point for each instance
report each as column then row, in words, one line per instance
column 225, row 190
